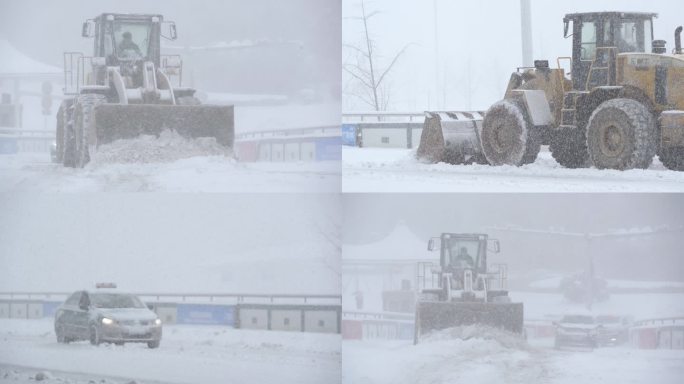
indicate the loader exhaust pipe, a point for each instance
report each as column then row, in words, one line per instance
column 678, row 40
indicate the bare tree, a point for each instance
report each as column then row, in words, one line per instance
column 365, row 69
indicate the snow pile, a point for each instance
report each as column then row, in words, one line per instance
column 478, row 332
column 168, row 147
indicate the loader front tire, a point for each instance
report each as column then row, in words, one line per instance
column 508, row 138
column 83, row 128
column 59, row 132
column 621, row 134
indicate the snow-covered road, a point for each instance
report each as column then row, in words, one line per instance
column 397, row 170
column 35, row 173
column 493, row 361
column 188, row 354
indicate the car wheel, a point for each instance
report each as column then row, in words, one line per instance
column 95, row 338
column 153, row 344
column 61, row 337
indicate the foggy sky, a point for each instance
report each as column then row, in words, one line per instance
column 161, row 242
column 370, row 217
column 479, row 44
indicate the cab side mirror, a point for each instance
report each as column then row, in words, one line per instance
column 169, row 30
column 493, row 246
column 434, row 243
column 566, row 28
column 83, row 305
column 172, row 30
column 87, row 29
column 150, row 307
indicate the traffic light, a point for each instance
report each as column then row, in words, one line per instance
column 47, row 97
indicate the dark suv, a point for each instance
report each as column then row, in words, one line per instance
column 107, row 317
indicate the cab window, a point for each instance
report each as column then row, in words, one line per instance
column 634, row 36
column 588, row 45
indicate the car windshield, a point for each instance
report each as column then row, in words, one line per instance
column 115, row 300
column 578, row 319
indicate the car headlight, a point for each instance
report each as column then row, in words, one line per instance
column 157, row 322
column 107, row 321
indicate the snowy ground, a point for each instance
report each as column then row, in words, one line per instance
column 31, row 172
column 188, row 354
column 397, row 170
column 479, row 360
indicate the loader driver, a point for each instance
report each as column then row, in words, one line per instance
column 127, row 48
column 463, row 259
column 459, row 263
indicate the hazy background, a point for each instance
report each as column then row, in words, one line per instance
column 371, row 217
column 294, row 45
column 267, row 243
column 479, row 45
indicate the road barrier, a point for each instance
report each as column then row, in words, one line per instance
column 284, row 312
column 290, row 145
column 663, row 333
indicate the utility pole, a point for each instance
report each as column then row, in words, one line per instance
column 526, row 32
column 437, row 84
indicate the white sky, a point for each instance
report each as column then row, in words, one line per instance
column 481, row 35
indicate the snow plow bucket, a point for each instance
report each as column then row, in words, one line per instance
column 117, row 121
column 451, row 137
column 435, row 316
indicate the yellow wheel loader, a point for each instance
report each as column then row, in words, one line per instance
column 463, row 289
column 621, row 103
column 128, row 88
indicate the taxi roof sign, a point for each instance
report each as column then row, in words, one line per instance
column 105, row 285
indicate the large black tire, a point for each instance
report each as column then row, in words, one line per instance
column 672, row 158
column 59, row 133
column 81, row 130
column 507, row 135
column 621, row 134
column 569, row 147
column 153, row 344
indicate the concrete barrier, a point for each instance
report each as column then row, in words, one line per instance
column 290, row 317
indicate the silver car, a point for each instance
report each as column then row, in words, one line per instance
column 107, row 317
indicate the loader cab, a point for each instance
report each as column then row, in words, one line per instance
column 598, row 37
column 455, row 249
column 127, row 38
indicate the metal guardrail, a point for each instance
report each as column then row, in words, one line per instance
column 660, row 322
column 381, row 116
column 394, row 316
column 210, row 297
column 328, row 131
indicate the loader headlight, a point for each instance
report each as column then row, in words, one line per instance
column 107, row 321
column 157, row 322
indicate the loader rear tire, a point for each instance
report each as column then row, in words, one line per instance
column 672, row 158
column 507, row 135
column 621, row 134
column 569, row 147
column 83, row 128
